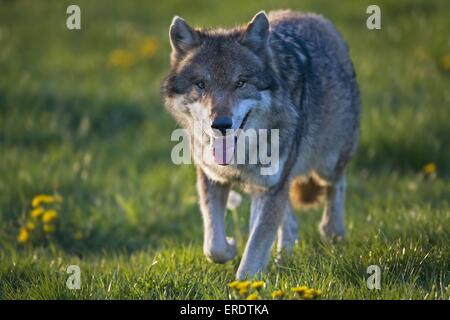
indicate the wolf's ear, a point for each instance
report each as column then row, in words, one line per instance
column 182, row 36
column 255, row 36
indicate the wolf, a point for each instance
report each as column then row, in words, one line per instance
column 289, row 71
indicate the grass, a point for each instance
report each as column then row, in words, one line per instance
column 76, row 123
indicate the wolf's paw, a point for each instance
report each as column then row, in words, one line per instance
column 332, row 232
column 223, row 253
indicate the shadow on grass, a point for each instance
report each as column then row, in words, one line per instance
column 69, row 119
column 405, row 150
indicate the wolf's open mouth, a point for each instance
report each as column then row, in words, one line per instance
column 223, row 147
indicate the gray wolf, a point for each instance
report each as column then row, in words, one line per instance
column 289, row 71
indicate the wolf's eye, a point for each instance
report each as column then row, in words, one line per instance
column 240, row 84
column 200, row 85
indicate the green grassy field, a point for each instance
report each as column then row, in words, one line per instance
column 81, row 116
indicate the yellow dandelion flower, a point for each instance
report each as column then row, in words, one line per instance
column 277, row 294
column 37, row 212
column 252, row 296
column 234, row 284
column 429, row 168
column 299, row 290
column 243, row 291
column 307, row 296
column 49, row 216
column 148, row 47
column 48, row 228
column 311, row 294
column 42, row 198
column 445, row 62
column 121, row 58
column 258, row 285
column 243, row 285
column 23, row 236
column 31, row 226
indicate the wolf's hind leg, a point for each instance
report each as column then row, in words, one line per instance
column 332, row 226
column 287, row 233
column 213, row 198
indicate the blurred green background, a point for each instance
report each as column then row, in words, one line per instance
column 81, row 116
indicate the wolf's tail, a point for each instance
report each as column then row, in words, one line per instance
column 305, row 192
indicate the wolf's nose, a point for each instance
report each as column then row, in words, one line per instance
column 222, row 124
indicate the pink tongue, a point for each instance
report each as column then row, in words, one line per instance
column 223, row 149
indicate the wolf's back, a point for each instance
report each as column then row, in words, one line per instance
column 297, row 37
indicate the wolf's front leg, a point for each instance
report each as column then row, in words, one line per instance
column 268, row 209
column 213, row 199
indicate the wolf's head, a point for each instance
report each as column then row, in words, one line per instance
column 219, row 78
